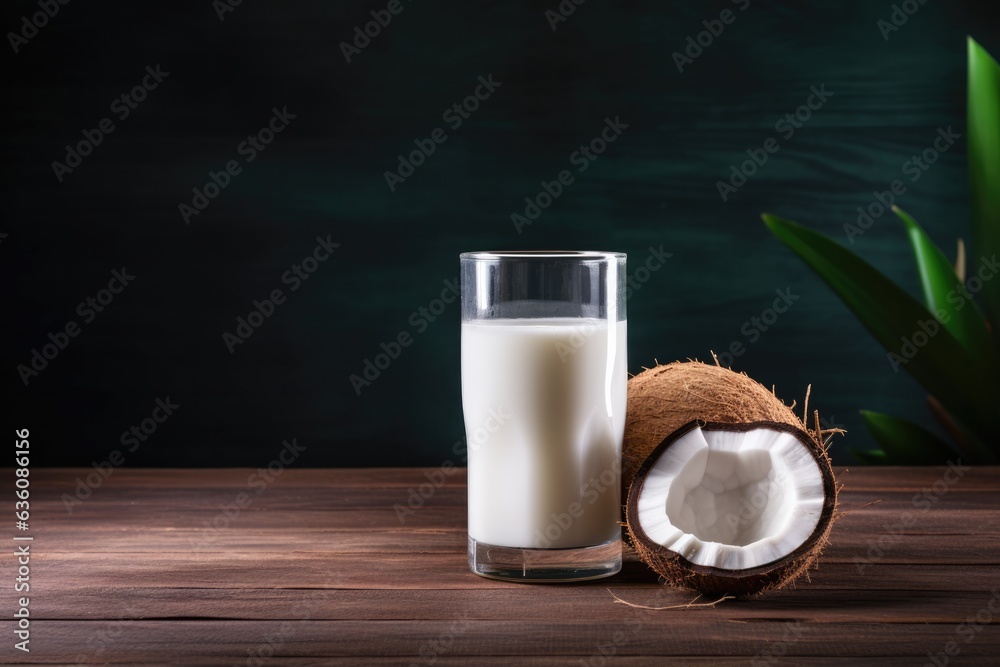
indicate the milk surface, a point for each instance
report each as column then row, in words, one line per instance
column 544, row 403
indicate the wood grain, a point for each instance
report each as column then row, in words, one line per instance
column 319, row 566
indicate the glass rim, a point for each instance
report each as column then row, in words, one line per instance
column 541, row 254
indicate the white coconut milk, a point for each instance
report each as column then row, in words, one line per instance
column 544, row 403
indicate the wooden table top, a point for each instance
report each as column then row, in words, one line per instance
column 317, row 567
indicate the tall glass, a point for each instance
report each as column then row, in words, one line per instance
column 543, row 390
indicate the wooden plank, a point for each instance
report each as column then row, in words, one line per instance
column 581, row 639
column 510, row 603
column 846, row 545
column 63, row 479
column 140, row 561
column 874, row 520
column 152, row 501
column 973, row 515
column 549, row 661
column 414, row 571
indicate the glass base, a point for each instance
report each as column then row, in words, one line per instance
column 545, row 565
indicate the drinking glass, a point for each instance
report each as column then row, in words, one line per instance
column 543, row 391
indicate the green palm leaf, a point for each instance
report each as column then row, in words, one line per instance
column 871, row 456
column 946, row 296
column 940, row 363
column 984, row 165
column 906, row 443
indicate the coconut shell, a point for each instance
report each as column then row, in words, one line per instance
column 664, row 398
column 682, row 573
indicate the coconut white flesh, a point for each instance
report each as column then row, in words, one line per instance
column 732, row 500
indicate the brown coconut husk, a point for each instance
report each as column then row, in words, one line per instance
column 664, row 398
column 667, row 400
column 682, row 573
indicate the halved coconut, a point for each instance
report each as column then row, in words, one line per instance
column 732, row 509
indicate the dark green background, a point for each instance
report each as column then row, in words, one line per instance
column 324, row 175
